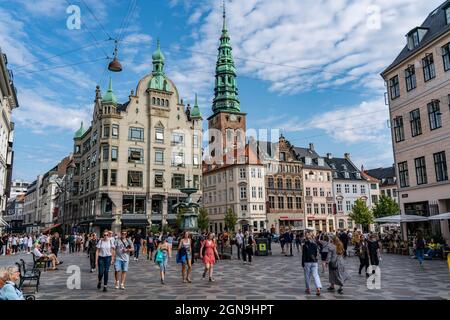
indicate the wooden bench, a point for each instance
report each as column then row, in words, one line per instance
column 32, row 276
column 38, row 263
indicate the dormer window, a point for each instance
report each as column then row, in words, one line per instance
column 358, row 175
column 308, row 161
column 344, row 167
column 346, row 175
column 415, row 36
column 320, row 162
column 447, row 15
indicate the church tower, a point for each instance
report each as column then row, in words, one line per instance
column 227, row 124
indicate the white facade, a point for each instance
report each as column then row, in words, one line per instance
column 239, row 187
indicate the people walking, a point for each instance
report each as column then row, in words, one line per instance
column 324, row 242
column 162, row 257
column 310, row 265
column 92, row 250
column 289, row 238
column 170, row 239
column 55, row 243
column 185, row 256
column 72, row 243
column 419, row 247
column 123, row 248
column 209, row 257
column 373, row 250
column 343, row 237
column 362, row 250
column 137, row 244
column 150, row 242
column 239, row 242
column 248, row 244
column 337, row 273
column 104, row 259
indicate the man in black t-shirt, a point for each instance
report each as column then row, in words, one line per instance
column 137, row 244
column 55, row 243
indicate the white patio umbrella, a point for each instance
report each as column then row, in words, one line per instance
column 442, row 216
column 401, row 218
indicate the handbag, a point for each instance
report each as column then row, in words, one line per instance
column 159, row 256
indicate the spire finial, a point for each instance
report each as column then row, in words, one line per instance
column 110, row 84
column 196, row 104
column 158, row 44
column 224, row 17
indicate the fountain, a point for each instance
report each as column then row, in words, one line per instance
column 190, row 215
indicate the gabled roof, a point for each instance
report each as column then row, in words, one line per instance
column 436, row 25
column 337, row 164
column 385, row 175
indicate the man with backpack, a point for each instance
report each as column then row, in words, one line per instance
column 419, row 247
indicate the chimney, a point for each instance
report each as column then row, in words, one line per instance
column 311, row 146
column 329, row 156
column 347, row 156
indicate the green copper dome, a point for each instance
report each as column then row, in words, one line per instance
column 225, row 91
column 158, row 55
column 158, row 81
column 109, row 96
column 79, row 133
column 195, row 113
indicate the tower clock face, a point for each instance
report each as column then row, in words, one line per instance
column 233, row 117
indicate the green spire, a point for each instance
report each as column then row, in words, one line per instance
column 79, row 133
column 109, row 96
column 158, row 60
column 195, row 113
column 225, row 92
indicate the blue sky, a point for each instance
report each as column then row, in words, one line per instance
column 307, row 67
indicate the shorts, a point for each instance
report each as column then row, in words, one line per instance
column 121, row 265
column 323, row 256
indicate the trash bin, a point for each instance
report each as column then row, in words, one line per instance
column 262, row 247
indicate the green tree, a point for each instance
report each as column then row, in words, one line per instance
column 361, row 214
column 230, row 220
column 203, row 219
column 386, row 206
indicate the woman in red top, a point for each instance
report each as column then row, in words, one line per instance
column 209, row 257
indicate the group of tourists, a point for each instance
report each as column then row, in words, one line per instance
column 11, row 244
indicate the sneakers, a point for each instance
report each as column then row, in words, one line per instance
column 99, row 285
column 105, row 289
column 204, row 275
column 162, row 281
column 211, row 280
column 117, row 285
column 122, row 287
column 340, row 291
column 330, row 289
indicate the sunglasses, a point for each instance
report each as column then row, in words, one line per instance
column 106, row 235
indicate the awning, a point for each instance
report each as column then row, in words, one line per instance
column 3, row 223
column 402, row 218
column 442, row 216
column 134, row 223
column 52, row 227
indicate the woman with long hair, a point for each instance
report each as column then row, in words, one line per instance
column 92, row 250
column 105, row 257
column 161, row 258
column 362, row 250
column 324, row 243
column 209, row 258
column 310, row 265
column 337, row 273
column 185, row 256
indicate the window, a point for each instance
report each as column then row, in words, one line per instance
column 136, row 134
column 446, row 56
column 363, row 189
column 104, row 177
column 346, row 175
column 88, row 163
column 338, row 188
column 106, row 131
column 135, row 178
column 440, row 166
column 330, row 208
column 270, row 182
column 159, row 156
column 298, row 202
column 421, row 171
column 374, row 198
column 434, row 115
column 280, row 183
column 339, row 205
column 253, row 192
column 316, row 208
column 253, row 172
column 159, row 135
column 315, row 192
column 428, row 67
column 355, row 188
column 447, row 15
column 410, row 78
column 290, row 203
column 261, row 207
column 347, row 188
column 348, row 205
column 159, row 180
column 260, row 192
column 322, row 192
column 242, row 174
column 177, row 181
column 280, row 202
column 115, row 131
column 282, row 156
column 308, row 191
column 374, row 186
column 399, row 132
column 113, row 181
column 178, row 139
column 403, row 173
column 416, row 126
column 178, row 159
column 322, row 208
column 105, row 153
column 195, row 140
column 231, row 174
column 114, row 153
column 288, row 184
column 259, row 173
column 196, row 163
column 298, row 185
column 309, row 208
column 255, row 207
column 271, row 202
column 394, row 87
column 243, row 192
column 244, row 207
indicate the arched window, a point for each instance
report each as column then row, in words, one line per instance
column 288, row 183
column 154, row 101
column 297, row 184
column 167, row 103
column 280, row 183
column 158, row 102
column 271, row 182
column 341, row 223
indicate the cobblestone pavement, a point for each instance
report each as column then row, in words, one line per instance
column 271, row 277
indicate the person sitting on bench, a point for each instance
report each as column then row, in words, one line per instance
column 46, row 257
